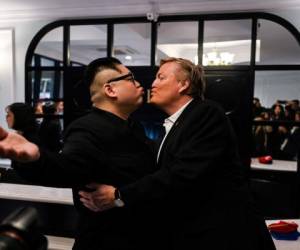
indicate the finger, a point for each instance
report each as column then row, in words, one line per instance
column 87, row 202
column 3, row 133
column 90, row 205
column 84, row 194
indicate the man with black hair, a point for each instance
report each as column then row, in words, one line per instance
column 199, row 183
column 104, row 146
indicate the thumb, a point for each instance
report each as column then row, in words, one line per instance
column 3, row 133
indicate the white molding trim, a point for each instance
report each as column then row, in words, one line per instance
column 141, row 8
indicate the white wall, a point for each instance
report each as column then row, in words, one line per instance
column 6, row 70
column 12, row 77
column 291, row 15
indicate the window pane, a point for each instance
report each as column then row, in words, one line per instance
column 132, row 43
column 46, row 84
column 271, row 86
column 276, row 45
column 177, row 39
column 87, row 42
column 227, row 42
column 277, row 99
column 51, row 46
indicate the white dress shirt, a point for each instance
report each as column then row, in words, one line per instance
column 168, row 124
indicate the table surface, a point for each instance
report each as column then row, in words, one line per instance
column 36, row 193
column 277, row 165
column 59, row 243
column 286, row 244
column 5, row 163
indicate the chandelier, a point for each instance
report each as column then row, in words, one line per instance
column 216, row 58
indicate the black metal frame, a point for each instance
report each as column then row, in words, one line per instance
column 252, row 67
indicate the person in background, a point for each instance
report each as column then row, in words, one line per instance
column 291, row 145
column 60, row 108
column 199, row 184
column 50, row 131
column 20, row 117
column 257, row 108
column 104, row 146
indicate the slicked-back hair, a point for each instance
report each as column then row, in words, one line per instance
column 97, row 66
column 193, row 73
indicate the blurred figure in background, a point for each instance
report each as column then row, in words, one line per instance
column 257, row 107
column 291, row 144
column 20, row 117
column 262, row 135
column 60, row 108
column 50, row 133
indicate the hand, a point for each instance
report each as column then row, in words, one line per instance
column 101, row 199
column 17, row 148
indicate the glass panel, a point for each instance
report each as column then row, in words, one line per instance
column 227, row 42
column 46, row 85
column 132, row 43
column 276, row 45
column 177, row 39
column 271, row 86
column 47, row 62
column 277, row 98
column 87, row 42
column 51, row 46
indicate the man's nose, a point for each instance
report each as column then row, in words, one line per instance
column 137, row 84
column 154, row 83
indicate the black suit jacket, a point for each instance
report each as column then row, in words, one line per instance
column 199, row 186
column 99, row 147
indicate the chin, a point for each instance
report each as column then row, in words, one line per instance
column 153, row 102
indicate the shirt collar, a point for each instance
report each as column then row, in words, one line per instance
column 175, row 116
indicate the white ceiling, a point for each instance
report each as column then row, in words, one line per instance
column 14, row 10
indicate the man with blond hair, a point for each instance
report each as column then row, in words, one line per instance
column 199, row 184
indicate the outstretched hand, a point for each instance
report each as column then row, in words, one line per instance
column 101, row 199
column 17, row 148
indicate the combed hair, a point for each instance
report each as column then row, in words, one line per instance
column 193, row 73
column 97, row 66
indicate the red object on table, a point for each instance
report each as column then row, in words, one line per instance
column 283, row 227
column 267, row 159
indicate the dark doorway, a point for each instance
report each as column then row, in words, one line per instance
column 233, row 90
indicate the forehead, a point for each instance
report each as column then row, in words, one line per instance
column 123, row 69
column 168, row 68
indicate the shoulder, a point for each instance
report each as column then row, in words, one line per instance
column 92, row 119
column 87, row 123
column 205, row 108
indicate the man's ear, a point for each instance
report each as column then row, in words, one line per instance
column 184, row 86
column 109, row 90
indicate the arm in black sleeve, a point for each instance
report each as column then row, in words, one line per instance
column 80, row 160
column 194, row 159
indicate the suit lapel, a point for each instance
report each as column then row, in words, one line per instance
column 176, row 127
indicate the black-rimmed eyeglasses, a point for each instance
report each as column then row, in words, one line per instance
column 129, row 77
